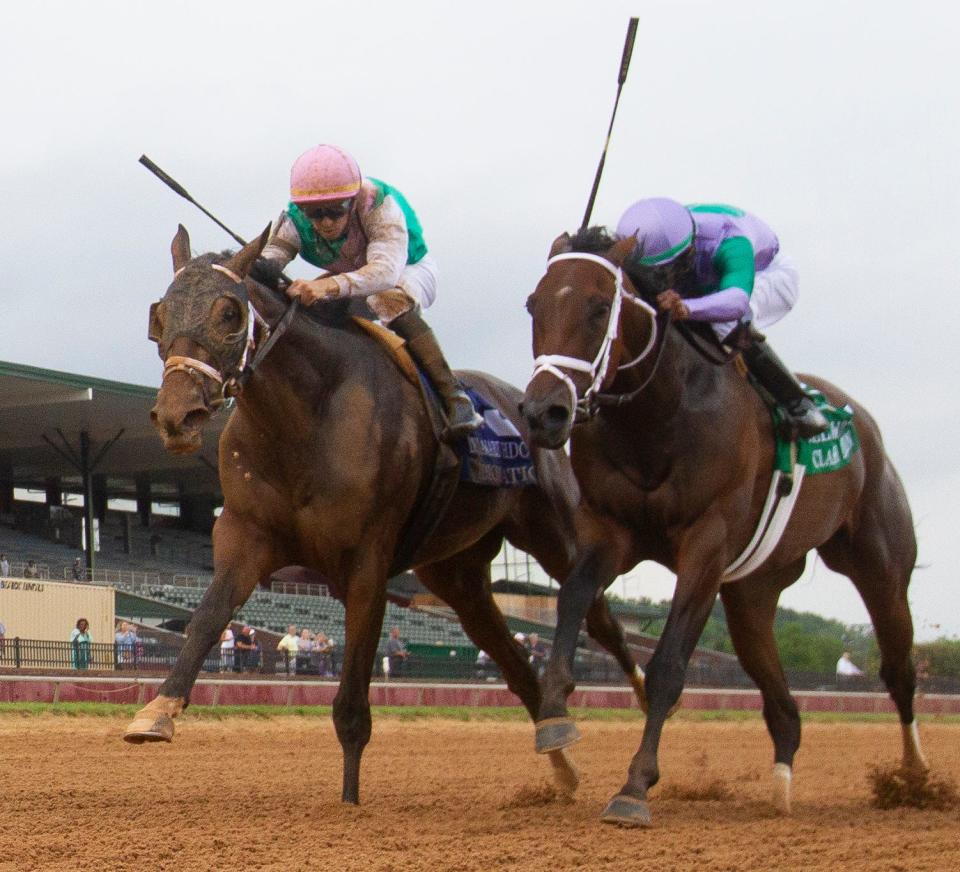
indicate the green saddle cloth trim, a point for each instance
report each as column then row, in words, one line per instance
column 827, row 452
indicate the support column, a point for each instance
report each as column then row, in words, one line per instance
column 144, row 499
column 87, row 478
column 54, row 492
column 100, row 497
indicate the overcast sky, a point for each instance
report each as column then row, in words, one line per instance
column 836, row 122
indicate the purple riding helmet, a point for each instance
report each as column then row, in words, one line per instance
column 663, row 227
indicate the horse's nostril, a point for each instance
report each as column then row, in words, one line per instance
column 557, row 415
column 195, row 419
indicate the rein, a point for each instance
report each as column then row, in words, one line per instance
column 554, row 364
column 231, row 385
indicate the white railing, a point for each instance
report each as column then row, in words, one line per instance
column 299, row 588
column 121, row 578
column 29, row 569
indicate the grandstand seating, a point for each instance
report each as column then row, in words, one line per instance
column 276, row 611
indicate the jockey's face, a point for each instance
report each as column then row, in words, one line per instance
column 330, row 219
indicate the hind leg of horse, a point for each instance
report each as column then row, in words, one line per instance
column 365, row 605
column 750, row 610
column 606, row 630
column 463, row 582
column 243, row 556
column 699, row 565
column 881, row 575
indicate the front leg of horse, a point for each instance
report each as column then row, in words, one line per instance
column 693, row 599
column 555, row 728
column 366, row 602
column 241, row 558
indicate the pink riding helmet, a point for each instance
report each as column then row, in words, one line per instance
column 663, row 227
column 324, row 172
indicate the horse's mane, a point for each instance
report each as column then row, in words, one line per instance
column 592, row 240
column 268, row 275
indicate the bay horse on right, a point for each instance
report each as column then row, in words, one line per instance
column 674, row 455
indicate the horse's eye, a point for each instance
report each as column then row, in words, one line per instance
column 599, row 311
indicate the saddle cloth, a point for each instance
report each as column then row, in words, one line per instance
column 495, row 454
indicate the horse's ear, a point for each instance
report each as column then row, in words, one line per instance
column 155, row 327
column 622, row 250
column 242, row 262
column 180, row 248
column 561, row 245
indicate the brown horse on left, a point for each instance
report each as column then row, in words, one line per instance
column 322, row 464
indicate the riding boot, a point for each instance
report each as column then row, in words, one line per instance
column 462, row 418
column 770, row 371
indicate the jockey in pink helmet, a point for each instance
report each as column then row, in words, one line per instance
column 721, row 265
column 366, row 237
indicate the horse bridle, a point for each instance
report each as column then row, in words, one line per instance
column 554, row 364
column 229, row 384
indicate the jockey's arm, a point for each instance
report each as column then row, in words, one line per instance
column 386, row 230
column 734, row 266
column 283, row 244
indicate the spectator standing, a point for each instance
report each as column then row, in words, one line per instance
column 288, row 647
column 80, row 641
column 227, row 643
column 245, row 650
column 304, row 650
column 538, row 654
column 397, row 654
column 322, row 650
column 125, row 640
column 30, row 570
column 846, row 669
column 78, row 572
column 4, row 566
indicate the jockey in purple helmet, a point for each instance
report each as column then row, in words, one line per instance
column 367, row 238
column 721, row 265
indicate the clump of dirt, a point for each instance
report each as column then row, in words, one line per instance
column 894, row 787
column 530, row 796
column 702, row 790
column 705, row 788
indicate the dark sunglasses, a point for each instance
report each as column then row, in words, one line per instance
column 333, row 213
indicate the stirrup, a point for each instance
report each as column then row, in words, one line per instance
column 460, row 421
column 806, row 418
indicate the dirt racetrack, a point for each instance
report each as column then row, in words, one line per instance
column 252, row 794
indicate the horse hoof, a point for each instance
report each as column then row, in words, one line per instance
column 553, row 734
column 626, row 811
column 564, row 773
column 782, row 776
column 154, row 728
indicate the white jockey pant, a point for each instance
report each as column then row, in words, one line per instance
column 417, row 287
column 775, row 292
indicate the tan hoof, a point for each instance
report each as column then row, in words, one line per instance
column 782, row 777
column 154, row 728
column 627, row 811
column 565, row 774
column 154, row 722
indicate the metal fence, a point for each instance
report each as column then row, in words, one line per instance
column 299, row 588
column 148, row 655
column 29, row 569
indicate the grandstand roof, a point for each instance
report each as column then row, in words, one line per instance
column 37, row 403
